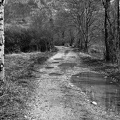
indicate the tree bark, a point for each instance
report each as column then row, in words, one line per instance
column 2, row 42
column 71, row 38
column 107, row 53
column 86, row 38
column 118, row 32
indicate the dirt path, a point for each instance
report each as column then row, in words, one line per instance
column 55, row 98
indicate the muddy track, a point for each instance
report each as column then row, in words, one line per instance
column 56, row 98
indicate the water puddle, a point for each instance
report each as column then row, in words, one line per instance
column 55, row 74
column 55, row 62
column 42, row 72
column 72, row 57
column 67, row 51
column 67, row 65
column 103, row 91
column 58, row 59
column 49, row 67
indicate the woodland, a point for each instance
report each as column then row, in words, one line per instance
column 38, row 25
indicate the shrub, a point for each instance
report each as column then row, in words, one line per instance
column 26, row 40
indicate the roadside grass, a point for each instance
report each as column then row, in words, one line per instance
column 19, row 83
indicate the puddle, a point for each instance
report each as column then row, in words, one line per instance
column 48, row 67
column 42, row 72
column 103, row 91
column 55, row 74
column 55, row 62
column 67, row 65
column 58, row 59
column 73, row 56
column 67, row 51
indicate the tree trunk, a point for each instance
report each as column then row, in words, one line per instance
column 87, row 10
column 71, row 37
column 80, row 43
column 86, row 38
column 1, row 41
column 71, row 41
column 86, row 46
column 118, row 36
column 107, row 53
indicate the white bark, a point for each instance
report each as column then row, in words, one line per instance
column 1, row 41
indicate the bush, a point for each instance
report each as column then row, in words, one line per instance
column 26, row 40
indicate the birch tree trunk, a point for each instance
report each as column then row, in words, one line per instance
column 1, row 40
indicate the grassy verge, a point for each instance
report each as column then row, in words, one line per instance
column 20, row 83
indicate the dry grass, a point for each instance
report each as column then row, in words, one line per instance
column 20, row 83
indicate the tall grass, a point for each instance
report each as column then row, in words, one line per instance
column 20, row 83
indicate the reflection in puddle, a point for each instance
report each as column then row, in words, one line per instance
column 99, row 89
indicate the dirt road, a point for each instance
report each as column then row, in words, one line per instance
column 56, row 98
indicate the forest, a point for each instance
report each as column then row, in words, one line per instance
column 38, row 25
column 33, row 25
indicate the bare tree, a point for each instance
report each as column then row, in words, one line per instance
column 81, row 14
column 106, row 4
